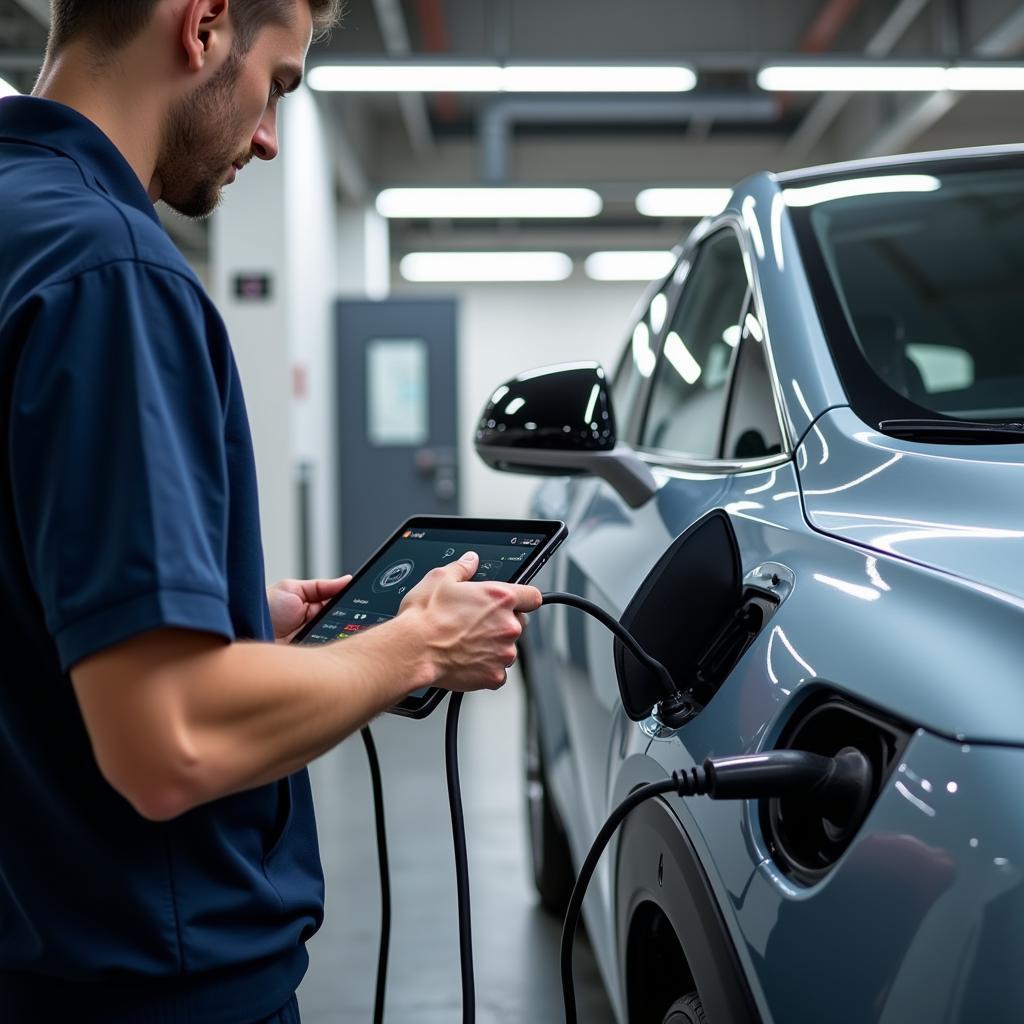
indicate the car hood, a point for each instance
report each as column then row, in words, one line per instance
column 954, row 508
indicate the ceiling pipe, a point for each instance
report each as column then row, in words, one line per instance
column 829, row 22
column 822, row 34
column 434, row 35
column 498, row 121
column 828, row 107
column 414, row 107
column 39, row 9
column 21, row 61
column 1003, row 43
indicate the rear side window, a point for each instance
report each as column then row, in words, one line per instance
column 688, row 399
column 638, row 362
column 752, row 431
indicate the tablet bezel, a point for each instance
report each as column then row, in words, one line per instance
column 555, row 532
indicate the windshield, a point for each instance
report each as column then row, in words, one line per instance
column 918, row 275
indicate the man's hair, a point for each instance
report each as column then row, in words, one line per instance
column 114, row 23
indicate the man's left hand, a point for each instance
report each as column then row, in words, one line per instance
column 294, row 602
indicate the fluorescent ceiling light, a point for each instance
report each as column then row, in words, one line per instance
column 585, row 78
column 405, row 78
column 492, row 78
column 811, row 195
column 679, row 356
column 682, row 202
column 628, row 266
column 852, row 78
column 985, row 79
column 6, row 89
column 488, row 203
column 658, row 312
column 731, row 335
column 643, row 354
column 486, row 266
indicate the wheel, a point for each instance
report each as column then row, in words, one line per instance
column 688, row 1010
column 553, row 872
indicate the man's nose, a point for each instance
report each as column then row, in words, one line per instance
column 264, row 142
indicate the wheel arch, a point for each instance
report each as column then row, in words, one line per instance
column 663, row 897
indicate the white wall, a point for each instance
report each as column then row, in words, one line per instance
column 247, row 235
column 281, row 218
column 312, row 269
column 278, row 218
column 505, row 329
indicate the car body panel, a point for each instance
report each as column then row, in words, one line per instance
column 909, row 611
column 920, row 919
column 956, row 508
column 806, row 376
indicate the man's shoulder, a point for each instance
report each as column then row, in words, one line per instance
column 55, row 225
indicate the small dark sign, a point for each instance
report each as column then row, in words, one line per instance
column 253, row 287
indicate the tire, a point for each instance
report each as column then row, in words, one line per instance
column 688, row 1010
column 553, row 873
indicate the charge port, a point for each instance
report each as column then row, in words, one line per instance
column 806, row 839
column 730, row 645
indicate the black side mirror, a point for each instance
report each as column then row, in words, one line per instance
column 559, row 420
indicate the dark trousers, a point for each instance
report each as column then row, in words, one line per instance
column 288, row 1014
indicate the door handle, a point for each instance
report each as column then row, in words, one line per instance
column 440, row 463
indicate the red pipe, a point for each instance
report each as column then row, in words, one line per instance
column 829, row 22
column 434, row 34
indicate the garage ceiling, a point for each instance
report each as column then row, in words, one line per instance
column 716, row 134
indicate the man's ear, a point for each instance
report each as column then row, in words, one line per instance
column 206, row 31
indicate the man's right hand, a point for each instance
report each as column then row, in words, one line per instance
column 469, row 633
column 179, row 717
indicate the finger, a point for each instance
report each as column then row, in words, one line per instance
column 523, row 620
column 528, row 599
column 322, row 590
column 465, row 568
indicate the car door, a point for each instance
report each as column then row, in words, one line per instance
column 674, row 400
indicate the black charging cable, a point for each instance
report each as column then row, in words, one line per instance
column 611, row 623
column 451, row 760
column 451, row 768
column 385, row 875
column 840, row 783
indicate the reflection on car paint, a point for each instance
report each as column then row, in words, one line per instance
column 920, row 918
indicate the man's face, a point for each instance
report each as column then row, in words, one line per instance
column 215, row 131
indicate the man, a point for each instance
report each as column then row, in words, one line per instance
column 158, row 857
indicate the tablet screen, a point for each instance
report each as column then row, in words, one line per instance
column 375, row 594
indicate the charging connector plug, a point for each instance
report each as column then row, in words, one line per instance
column 840, row 787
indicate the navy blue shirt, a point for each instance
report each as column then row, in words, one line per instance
column 128, row 503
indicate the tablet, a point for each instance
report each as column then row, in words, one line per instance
column 510, row 550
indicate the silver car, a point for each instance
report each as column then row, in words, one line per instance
column 802, row 489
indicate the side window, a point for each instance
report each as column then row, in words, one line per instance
column 638, row 361
column 688, row 399
column 753, row 427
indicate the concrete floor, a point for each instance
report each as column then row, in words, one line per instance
column 516, row 943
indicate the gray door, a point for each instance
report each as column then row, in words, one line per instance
column 398, row 430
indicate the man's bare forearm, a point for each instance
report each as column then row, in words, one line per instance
column 203, row 719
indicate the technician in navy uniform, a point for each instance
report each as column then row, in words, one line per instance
column 158, row 855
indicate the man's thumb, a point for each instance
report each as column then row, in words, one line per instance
column 467, row 565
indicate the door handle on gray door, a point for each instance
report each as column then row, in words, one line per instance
column 440, row 463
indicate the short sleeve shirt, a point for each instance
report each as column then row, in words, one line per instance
column 128, row 503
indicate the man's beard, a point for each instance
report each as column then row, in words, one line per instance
column 196, row 154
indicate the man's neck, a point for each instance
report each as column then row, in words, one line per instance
column 131, row 120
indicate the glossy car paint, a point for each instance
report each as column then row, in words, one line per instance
column 907, row 596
